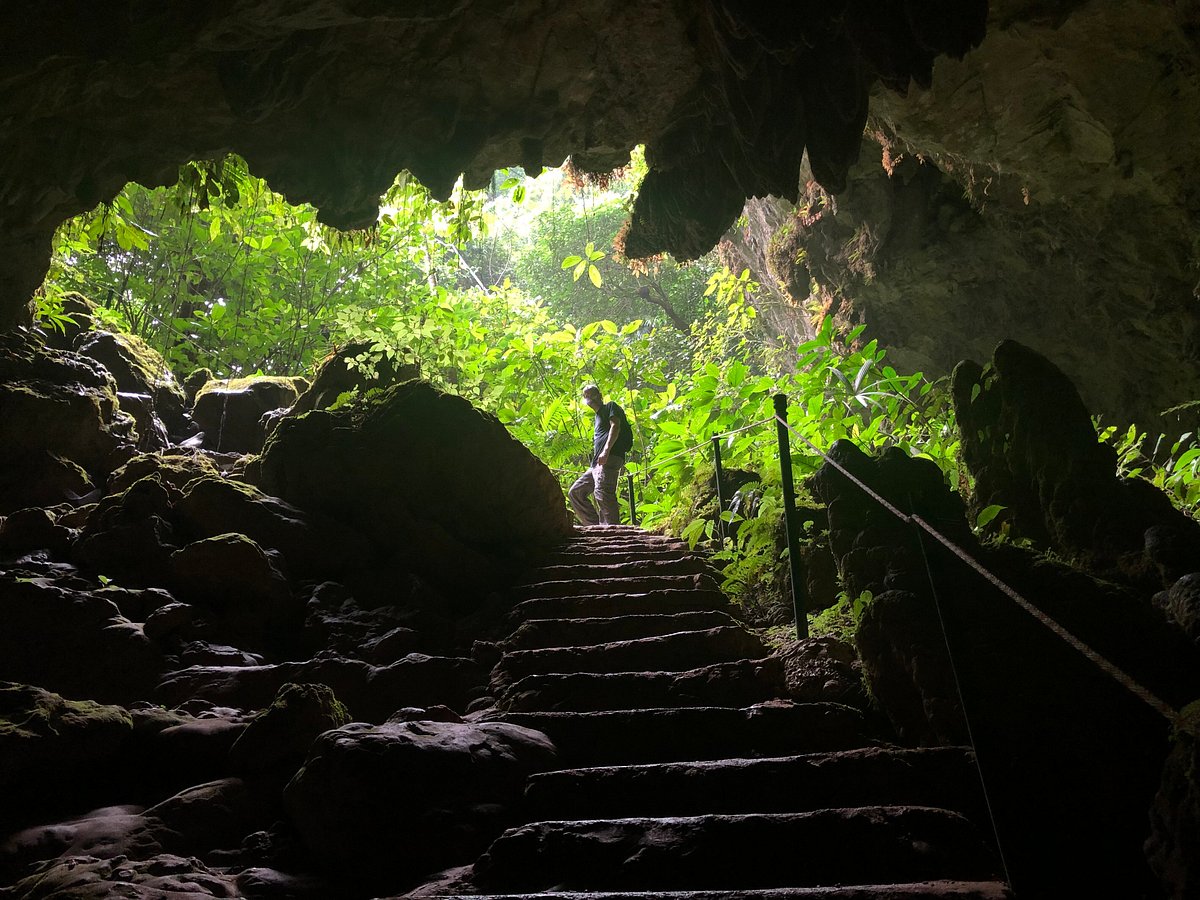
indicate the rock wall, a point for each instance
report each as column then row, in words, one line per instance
column 1043, row 189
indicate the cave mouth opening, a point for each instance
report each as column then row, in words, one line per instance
column 219, row 271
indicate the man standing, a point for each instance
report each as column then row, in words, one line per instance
column 611, row 440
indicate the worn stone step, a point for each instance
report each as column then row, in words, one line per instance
column 632, row 584
column 875, row 844
column 675, row 652
column 941, row 777
column 544, row 633
column 925, row 890
column 614, row 553
column 600, row 569
column 741, row 683
column 624, row 736
column 634, row 602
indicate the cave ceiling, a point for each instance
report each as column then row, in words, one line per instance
column 329, row 99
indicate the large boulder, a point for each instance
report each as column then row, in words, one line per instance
column 52, row 746
column 141, row 371
column 230, row 411
column 441, row 485
column 1175, row 814
column 174, row 468
column 1072, row 758
column 393, row 802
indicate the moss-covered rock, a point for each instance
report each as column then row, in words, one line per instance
column 55, row 406
column 337, row 375
column 277, row 740
column 140, row 369
column 176, row 469
column 230, row 411
column 439, row 484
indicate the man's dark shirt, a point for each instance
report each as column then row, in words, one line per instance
column 604, row 416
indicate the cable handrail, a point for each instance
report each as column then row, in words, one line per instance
column 1113, row 671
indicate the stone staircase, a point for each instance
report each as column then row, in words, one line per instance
column 685, row 770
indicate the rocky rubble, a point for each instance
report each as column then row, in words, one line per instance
column 176, row 641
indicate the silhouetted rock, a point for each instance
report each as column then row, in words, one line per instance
column 396, row 468
column 457, row 784
column 32, row 529
column 129, row 537
column 1030, row 443
column 311, row 545
column 347, row 370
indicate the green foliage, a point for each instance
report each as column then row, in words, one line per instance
column 220, row 272
column 840, row 620
column 1174, row 468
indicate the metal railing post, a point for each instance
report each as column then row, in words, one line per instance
column 632, row 505
column 720, row 476
column 789, row 514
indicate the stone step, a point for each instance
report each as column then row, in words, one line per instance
column 874, row 844
column 675, row 652
column 925, row 890
column 600, row 569
column 625, row 736
column 634, row 602
column 538, row 634
column 632, row 584
column 611, row 554
column 942, row 777
column 741, row 683
column 634, row 531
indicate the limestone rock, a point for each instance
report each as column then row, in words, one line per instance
column 86, row 877
column 727, row 100
column 140, row 370
column 231, row 575
column 230, row 411
column 28, row 530
column 174, row 468
column 457, row 784
column 50, row 745
column 1175, row 814
column 1183, row 604
column 402, row 470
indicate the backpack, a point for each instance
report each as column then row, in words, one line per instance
column 624, row 441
